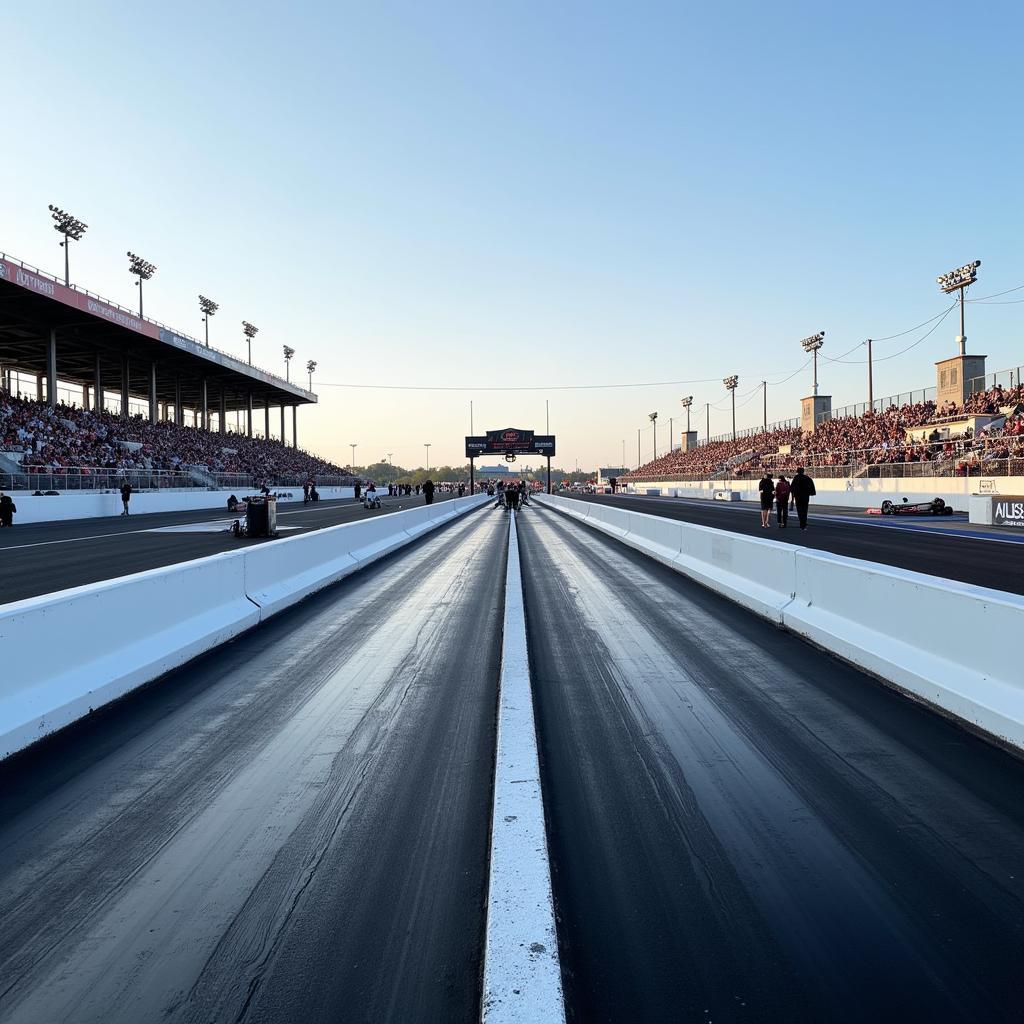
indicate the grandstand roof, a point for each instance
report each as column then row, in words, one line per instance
column 32, row 303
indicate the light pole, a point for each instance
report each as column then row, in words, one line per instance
column 354, row 447
column 812, row 344
column 310, row 368
column 143, row 270
column 732, row 383
column 638, row 447
column 426, row 445
column 871, row 383
column 764, row 395
column 72, row 229
column 250, row 333
column 653, row 417
column 208, row 307
column 288, row 353
column 960, row 280
column 686, row 403
column 391, row 463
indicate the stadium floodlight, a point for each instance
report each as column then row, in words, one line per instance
column 288, row 353
column 653, row 417
column 812, row 344
column 353, row 447
column 686, row 403
column 208, row 307
column 732, row 383
column 310, row 369
column 143, row 270
column 72, row 229
column 960, row 280
column 427, row 446
column 250, row 332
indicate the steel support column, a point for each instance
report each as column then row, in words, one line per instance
column 152, row 393
column 248, row 414
column 295, row 426
column 126, row 370
column 223, row 412
column 206, row 408
column 97, row 385
column 282, row 424
column 179, row 415
column 266, row 418
column 51, row 369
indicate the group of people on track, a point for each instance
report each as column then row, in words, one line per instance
column 783, row 494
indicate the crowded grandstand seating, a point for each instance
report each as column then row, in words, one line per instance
column 45, row 439
column 855, row 443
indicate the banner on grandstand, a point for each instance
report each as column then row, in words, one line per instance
column 40, row 284
column 510, row 440
column 1008, row 512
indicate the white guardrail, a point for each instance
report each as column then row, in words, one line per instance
column 942, row 641
column 68, row 653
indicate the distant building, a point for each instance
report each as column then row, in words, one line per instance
column 498, row 470
column 606, row 474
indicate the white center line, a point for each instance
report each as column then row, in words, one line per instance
column 522, row 974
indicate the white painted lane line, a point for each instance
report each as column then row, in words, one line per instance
column 522, row 974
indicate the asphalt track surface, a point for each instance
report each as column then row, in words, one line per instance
column 907, row 543
column 40, row 558
column 745, row 829
column 294, row 828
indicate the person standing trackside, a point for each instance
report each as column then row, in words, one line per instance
column 767, row 489
column 782, row 502
column 428, row 491
column 7, row 510
column 802, row 489
column 126, row 496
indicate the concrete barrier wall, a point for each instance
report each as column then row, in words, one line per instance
column 95, row 504
column 66, row 654
column 941, row 641
column 854, row 492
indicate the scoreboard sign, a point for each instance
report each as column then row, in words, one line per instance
column 510, row 441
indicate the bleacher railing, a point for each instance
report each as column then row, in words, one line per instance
column 88, row 478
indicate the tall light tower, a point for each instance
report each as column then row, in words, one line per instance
column 354, row 447
column 731, row 384
column 288, row 353
column 427, row 446
column 250, row 331
column 812, row 344
column 653, row 417
column 310, row 369
column 72, row 229
column 143, row 270
column 391, row 463
column 208, row 307
column 960, row 280
column 686, row 403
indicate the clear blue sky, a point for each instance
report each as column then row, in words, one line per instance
column 480, row 194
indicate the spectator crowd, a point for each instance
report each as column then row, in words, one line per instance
column 45, row 439
column 871, row 439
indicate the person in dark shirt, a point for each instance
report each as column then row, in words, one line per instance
column 428, row 491
column 7, row 510
column 126, row 496
column 802, row 490
column 767, row 489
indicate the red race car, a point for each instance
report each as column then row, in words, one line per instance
column 935, row 507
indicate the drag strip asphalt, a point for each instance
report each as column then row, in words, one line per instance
column 743, row 828
column 965, row 557
column 40, row 558
column 293, row 828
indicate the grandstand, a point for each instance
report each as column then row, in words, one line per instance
column 982, row 435
column 92, row 393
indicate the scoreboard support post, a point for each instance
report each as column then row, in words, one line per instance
column 549, row 474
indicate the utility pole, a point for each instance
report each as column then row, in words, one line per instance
column 764, row 385
column 871, row 383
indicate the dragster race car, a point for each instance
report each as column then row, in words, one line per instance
column 935, row 507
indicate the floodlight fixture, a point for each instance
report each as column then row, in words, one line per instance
column 310, row 369
column 72, row 229
column 250, row 331
column 960, row 280
column 288, row 353
column 208, row 308
column 653, row 417
column 143, row 270
column 732, row 383
column 686, row 403
column 812, row 344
